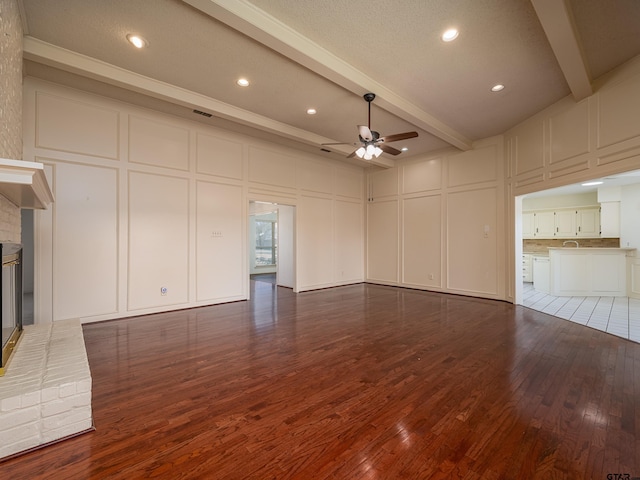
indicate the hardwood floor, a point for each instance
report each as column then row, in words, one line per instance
column 357, row 382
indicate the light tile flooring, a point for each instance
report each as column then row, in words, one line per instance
column 615, row 315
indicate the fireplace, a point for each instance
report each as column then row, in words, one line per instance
column 10, row 299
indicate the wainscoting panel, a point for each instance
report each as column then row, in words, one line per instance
column 272, row 168
column 85, row 246
column 422, row 241
column 422, row 176
column 219, row 242
column 315, row 232
column 348, row 183
column 314, row 177
column 349, row 242
column 219, row 156
column 382, row 241
column 76, row 127
column 158, row 240
column 472, row 248
column 158, row 144
column 475, row 166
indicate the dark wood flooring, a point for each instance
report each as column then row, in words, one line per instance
column 356, row 382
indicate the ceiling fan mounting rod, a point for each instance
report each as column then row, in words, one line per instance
column 369, row 98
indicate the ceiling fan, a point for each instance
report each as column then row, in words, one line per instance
column 372, row 144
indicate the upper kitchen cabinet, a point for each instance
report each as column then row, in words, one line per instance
column 588, row 222
column 562, row 223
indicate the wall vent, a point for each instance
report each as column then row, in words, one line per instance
column 204, row 114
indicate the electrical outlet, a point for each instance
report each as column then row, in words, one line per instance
column 163, row 291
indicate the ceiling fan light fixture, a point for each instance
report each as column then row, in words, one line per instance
column 361, row 152
column 377, row 152
column 371, row 149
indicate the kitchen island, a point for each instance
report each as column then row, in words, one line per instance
column 588, row 271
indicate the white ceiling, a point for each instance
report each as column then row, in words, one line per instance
column 326, row 54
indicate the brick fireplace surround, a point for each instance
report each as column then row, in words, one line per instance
column 45, row 395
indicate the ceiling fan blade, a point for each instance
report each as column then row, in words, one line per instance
column 352, row 154
column 365, row 133
column 398, row 136
column 389, row 149
column 338, row 143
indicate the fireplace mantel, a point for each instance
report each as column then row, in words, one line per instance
column 24, row 183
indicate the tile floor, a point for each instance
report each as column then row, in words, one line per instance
column 615, row 315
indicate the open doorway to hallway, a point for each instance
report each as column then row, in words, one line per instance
column 271, row 243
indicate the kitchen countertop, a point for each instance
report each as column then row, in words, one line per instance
column 612, row 249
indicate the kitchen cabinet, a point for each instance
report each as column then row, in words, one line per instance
column 541, row 273
column 545, row 224
column 565, row 223
column 589, row 271
column 528, row 225
column 527, row 268
column 562, row 223
column 609, row 219
column 588, row 222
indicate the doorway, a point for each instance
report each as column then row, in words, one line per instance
column 271, row 243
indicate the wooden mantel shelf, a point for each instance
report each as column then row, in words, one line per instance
column 24, row 183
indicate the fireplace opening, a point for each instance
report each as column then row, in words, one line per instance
column 10, row 300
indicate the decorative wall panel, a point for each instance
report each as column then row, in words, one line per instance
column 382, row 241
column 218, row 156
column 529, row 148
column 619, row 112
column 314, row 177
column 85, row 245
column 158, row 144
column 349, row 241
column 569, row 132
column 316, row 261
column 273, row 168
column 348, row 183
column 422, row 176
column 422, row 241
column 219, row 252
column 76, row 127
column 158, row 240
column 472, row 253
column 475, row 166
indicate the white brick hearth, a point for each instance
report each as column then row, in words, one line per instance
column 45, row 394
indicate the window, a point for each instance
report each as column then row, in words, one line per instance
column 266, row 241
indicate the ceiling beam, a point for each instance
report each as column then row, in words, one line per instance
column 558, row 25
column 257, row 24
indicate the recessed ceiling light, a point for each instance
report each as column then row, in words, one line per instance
column 591, row 184
column 404, row 149
column 497, row 88
column 450, row 35
column 243, row 82
column 311, row 111
column 137, row 41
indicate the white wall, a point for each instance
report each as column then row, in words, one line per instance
column 145, row 200
column 437, row 223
